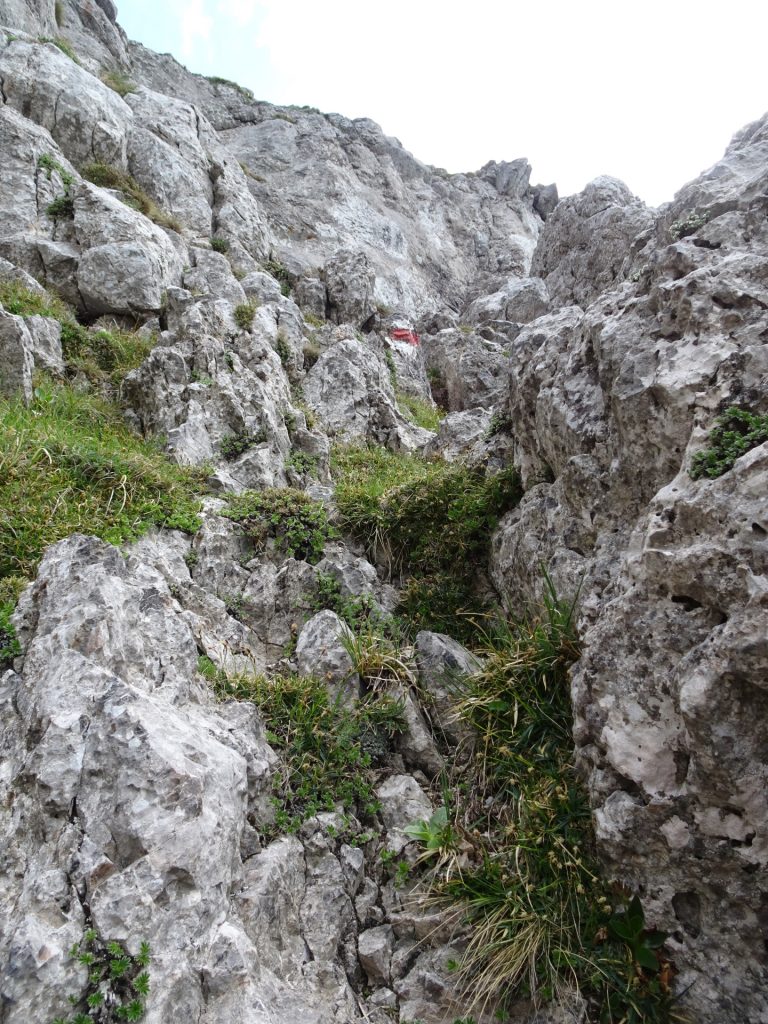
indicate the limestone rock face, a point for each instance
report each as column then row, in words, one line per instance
column 609, row 405
column 350, row 389
column 584, row 243
column 591, row 342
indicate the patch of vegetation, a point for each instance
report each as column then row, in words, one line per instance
column 10, row 647
column 69, row 464
column 62, row 206
column 245, row 93
column 49, row 164
column 298, row 525
column 328, row 749
column 103, row 356
column 280, row 116
column 131, row 192
column 734, row 434
column 119, row 82
column 314, row 321
column 419, row 411
column 219, row 244
column 429, row 521
column 500, row 423
column 353, row 610
column 688, row 225
column 305, row 464
column 283, row 349
column 540, row 915
column 118, row 982
column 244, row 314
column 58, row 11
column 276, row 269
column 311, row 354
column 63, row 44
column 233, row 446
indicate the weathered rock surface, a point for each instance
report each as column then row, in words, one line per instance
column 590, row 341
column 585, row 241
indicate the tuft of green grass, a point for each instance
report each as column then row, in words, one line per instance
column 244, row 314
column 734, row 434
column 104, row 356
column 298, row 525
column 429, row 521
column 63, row 44
column 131, row 193
column 419, row 411
column 219, row 244
column 329, row 751
column 68, row 463
column 540, row 916
column 118, row 81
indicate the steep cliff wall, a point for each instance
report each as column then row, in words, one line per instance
column 254, row 256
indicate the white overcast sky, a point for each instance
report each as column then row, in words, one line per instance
column 649, row 92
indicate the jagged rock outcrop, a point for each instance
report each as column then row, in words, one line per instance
column 609, row 406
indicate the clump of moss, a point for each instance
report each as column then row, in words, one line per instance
column 298, row 525
column 735, row 433
column 10, row 647
column 131, row 193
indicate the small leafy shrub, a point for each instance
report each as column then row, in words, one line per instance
column 244, row 314
column 500, row 423
column 219, row 244
column 49, row 164
column 328, row 749
column 10, row 647
column 215, row 80
column 233, row 446
column 298, row 524
column 69, row 464
column 688, row 225
column 419, row 411
column 118, row 982
column 131, row 192
column 735, row 433
column 119, row 82
column 305, row 464
column 62, row 206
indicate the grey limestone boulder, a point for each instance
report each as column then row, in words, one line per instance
column 320, row 652
column 349, row 388
column 16, row 357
